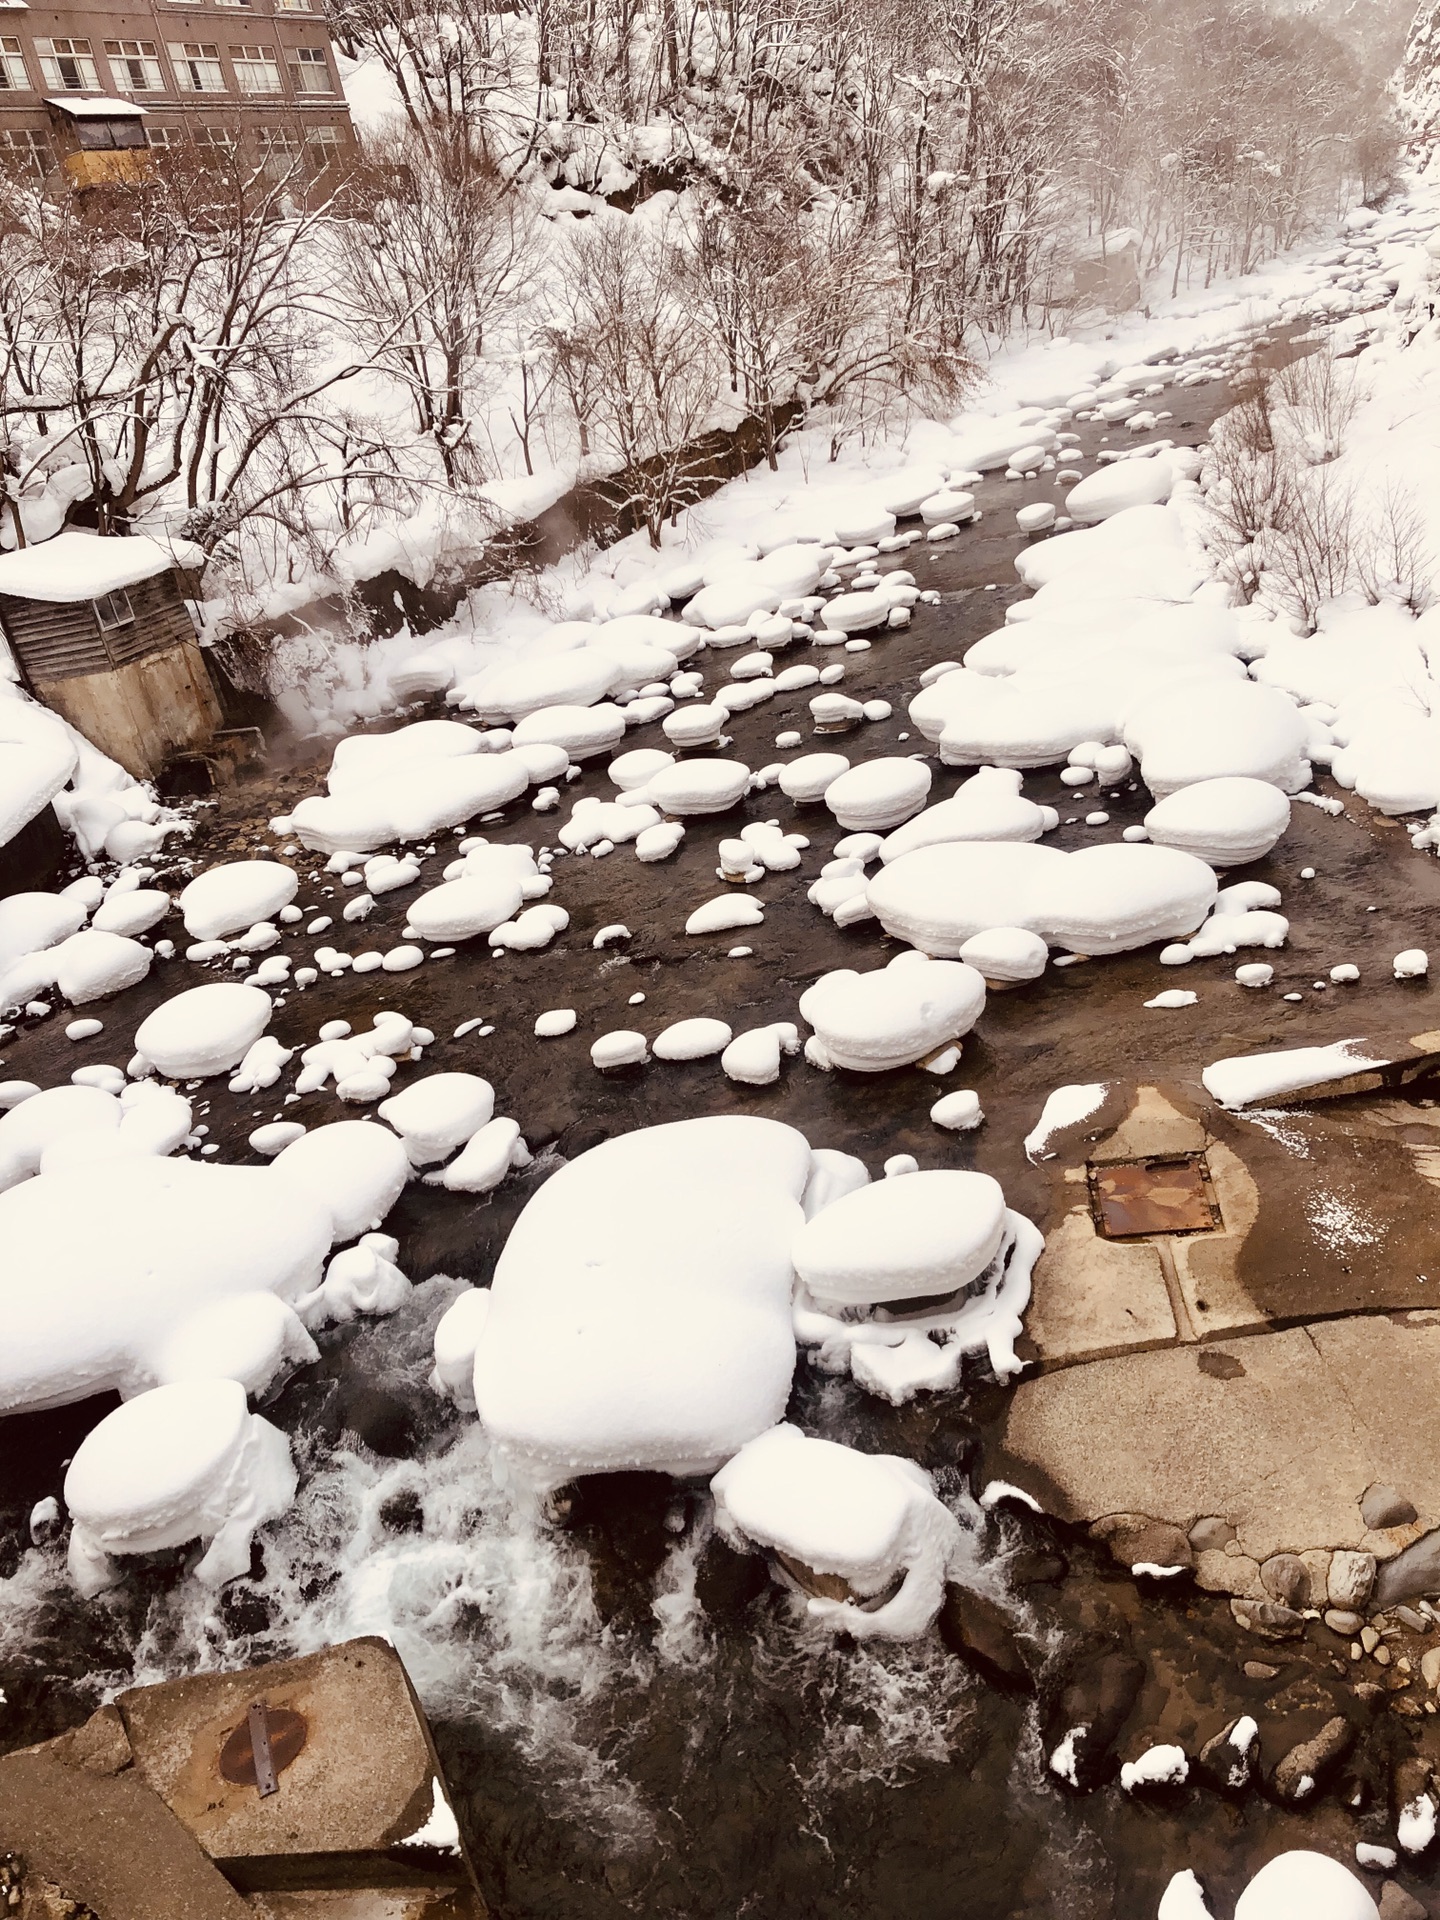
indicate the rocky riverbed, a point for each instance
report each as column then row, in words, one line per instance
column 630, row 1715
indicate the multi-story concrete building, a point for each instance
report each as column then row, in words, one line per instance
column 85, row 79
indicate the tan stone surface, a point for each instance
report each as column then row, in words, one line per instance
column 1283, row 1450
column 109, row 1841
column 1093, row 1297
column 1206, row 1264
column 361, row 1782
column 1153, row 1125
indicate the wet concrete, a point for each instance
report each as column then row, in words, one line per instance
column 783, row 1775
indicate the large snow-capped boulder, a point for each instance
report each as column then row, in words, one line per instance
column 873, row 1022
column 408, row 803
column 204, row 1030
column 1125, row 483
column 183, row 1462
column 867, row 1519
column 1301, row 1885
column 1103, row 899
column 640, row 1310
column 1225, row 822
column 37, row 756
column 362, row 757
column 235, row 895
column 1208, row 728
column 987, row 806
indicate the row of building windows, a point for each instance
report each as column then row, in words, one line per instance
column 278, row 147
column 69, row 66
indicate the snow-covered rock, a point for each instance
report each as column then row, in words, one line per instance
column 873, row 1022
column 878, row 794
column 864, row 1519
column 1301, row 1885
column 640, row 1310
column 204, row 1030
column 183, row 1462
column 1225, row 822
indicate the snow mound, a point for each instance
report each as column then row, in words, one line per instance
column 1126, row 483
column 640, row 1309
column 873, row 1022
column 1207, row 729
column 233, row 896
column 1225, row 822
column 1247, row 1080
column 867, row 1520
column 181, row 1462
column 410, row 803
column 1102, row 899
column 878, row 794
column 987, row 806
column 1301, row 1885
column 204, row 1030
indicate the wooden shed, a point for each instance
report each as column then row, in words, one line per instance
column 98, row 629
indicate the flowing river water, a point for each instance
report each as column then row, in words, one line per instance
column 633, row 1718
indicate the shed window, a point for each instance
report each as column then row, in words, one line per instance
column 113, row 611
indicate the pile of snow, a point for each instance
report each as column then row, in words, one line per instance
column 484, row 888
column 235, row 895
column 866, row 1520
column 943, row 1240
column 182, row 1462
column 125, row 1271
column 639, row 1315
column 878, row 794
column 396, row 797
column 987, row 806
column 1102, row 899
column 913, row 1009
column 1249, row 1080
column 1225, row 822
column 202, row 1031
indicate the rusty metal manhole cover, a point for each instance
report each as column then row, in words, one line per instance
column 283, row 1738
column 1165, row 1193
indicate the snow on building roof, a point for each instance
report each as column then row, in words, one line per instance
column 105, row 108
column 79, row 566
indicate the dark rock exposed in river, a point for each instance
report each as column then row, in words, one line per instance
column 981, row 1633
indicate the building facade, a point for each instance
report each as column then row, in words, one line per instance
column 257, row 74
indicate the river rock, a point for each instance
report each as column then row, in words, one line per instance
column 1259, row 1670
column 1035, row 1567
column 1267, row 1618
column 1303, row 1769
column 1414, row 1571
column 1397, row 1904
column 1286, row 1578
column 981, row 1633
column 1227, row 1764
column 1430, row 1667
column 1352, row 1575
column 1382, row 1506
column 1339, row 1621
column 1135, row 1540
column 1211, row 1535
column 1233, row 1573
column 1089, row 1711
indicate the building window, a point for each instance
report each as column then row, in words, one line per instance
column 197, row 66
column 220, row 139
column 322, row 147
column 133, row 66
column 292, row 6
column 67, row 66
column 309, row 70
column 256, row 69
column 27, row 149
column 113, row 611
column 13, row 77
column 164, row 136
column 279, row 151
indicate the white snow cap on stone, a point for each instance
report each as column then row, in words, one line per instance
column 1102, row 899
column 987, row 806
column 1225, row 822
column 871, row 1022
column 929, row 1233
column 1302, row 1885
column 864, row 1517
column 228, row 898
column 878, row 794
column 640, row 1310
column 182, row 1462
column 1245, row 1080
column 204, row 1030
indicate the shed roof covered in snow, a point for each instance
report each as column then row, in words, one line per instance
column 103, row 108
column 76, row 566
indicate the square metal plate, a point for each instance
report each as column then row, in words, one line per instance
column 1164, row 1193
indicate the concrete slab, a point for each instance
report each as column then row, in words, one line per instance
column 1279, row 1434
column 109, row 1842
column 362, row 1782
column 1094, row 1298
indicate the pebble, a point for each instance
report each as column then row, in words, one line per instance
column 84, row 1029
column 1342, row 1622
column 550, row 1026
